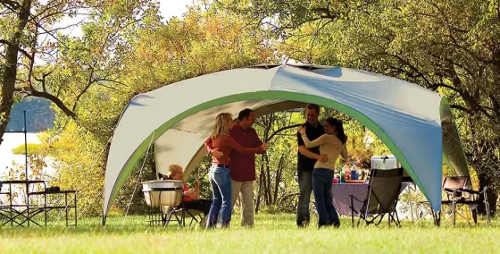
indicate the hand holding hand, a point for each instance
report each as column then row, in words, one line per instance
column 302, row 130
column 217, row 154
column 264, row 146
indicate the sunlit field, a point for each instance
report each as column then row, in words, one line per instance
column 273, row 233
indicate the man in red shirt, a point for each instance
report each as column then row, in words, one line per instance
column 243, row 165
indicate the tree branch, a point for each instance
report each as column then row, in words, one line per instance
column 45, row 94
column 282, row 129
column 48, row 8
column 42, row 80
column 24, row 52
column 55, row 100
column 111, row 80
column 10, row 4
column 87, row 86
column 455, row 106
column 51, row 35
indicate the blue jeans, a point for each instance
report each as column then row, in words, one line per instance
column 221, row 201
column 305, row 188
column 322, row 187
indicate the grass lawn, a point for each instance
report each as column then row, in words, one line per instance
column 273, row 233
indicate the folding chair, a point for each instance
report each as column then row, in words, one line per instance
column 458, row 192
column 6, row 214
column 181, row 213
column 381, row 198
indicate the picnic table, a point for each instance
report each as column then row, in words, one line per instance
column 341, row 195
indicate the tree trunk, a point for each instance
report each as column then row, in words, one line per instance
column 278, row 179
column 10, row 72
column 269, row 200
column 485, row 162
column 264, row 186
column 259, row 192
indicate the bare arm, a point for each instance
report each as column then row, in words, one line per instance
column 317, row 142
column 343, row 152
column 304, row 151
column 208, row 145
column 258, row 141
column 192, row 193
column 211, row 150
column 234, row 145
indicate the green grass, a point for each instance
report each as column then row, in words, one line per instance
column 273, row 233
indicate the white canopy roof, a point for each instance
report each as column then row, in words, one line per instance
column 180, row 116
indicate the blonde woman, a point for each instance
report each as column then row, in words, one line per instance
column 220, row 178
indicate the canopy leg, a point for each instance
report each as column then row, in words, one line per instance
column 436, row 216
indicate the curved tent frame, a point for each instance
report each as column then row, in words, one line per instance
column 409, row 119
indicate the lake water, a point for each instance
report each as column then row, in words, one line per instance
column 8, row 159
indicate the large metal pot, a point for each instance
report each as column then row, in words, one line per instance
column 162, row 192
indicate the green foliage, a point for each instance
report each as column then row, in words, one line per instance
column 447, row 46
column 197, row 44
column 79, row 165
column 126, row 49
column 32, row 148
column 101, row 71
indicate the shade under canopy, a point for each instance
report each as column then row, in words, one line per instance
column 409, row 119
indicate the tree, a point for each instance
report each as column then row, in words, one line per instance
column 10, row 47
column 451, row 47
column 41, row 60
column 276, row 167
column 153, row 55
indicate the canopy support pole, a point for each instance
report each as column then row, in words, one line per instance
column 140, row 175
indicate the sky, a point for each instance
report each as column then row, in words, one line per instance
column 168, row 9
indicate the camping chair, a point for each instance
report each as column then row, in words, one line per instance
column 181, row 213
column 381, row 198
column 458, row 192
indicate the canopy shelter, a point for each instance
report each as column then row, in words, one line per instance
column 413, row 122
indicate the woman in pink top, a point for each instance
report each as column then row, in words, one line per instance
column 220, row 178
column 331, row 144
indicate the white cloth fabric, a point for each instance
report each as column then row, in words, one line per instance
column 405, row 116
